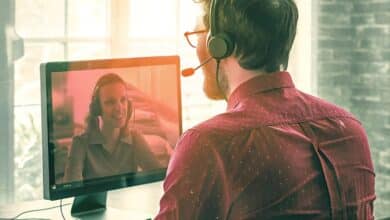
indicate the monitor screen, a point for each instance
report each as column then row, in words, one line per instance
column 108, row 124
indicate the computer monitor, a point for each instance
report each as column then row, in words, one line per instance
column 83, row 102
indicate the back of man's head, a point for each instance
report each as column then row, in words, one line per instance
column 263, row 31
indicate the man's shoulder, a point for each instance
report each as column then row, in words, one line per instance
column 324, row 108
column 224, row 123
column 255, row 115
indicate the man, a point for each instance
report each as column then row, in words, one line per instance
column 277, row 153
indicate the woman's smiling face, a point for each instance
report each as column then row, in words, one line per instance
column 114, row 104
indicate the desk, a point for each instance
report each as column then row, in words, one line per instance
column 137, row 202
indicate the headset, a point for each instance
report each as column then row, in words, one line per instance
column 219, row 44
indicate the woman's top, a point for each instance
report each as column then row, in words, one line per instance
column 89, row 157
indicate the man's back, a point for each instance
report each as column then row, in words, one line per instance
column 276, row 153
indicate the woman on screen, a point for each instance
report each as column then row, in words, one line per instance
column 109, row 146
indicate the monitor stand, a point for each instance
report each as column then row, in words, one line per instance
column 93, row 207
column 88, row 204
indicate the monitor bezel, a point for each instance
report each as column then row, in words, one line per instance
column 48, row 149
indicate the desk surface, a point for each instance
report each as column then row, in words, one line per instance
column 137, row 202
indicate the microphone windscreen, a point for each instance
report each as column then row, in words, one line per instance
column 188, row 72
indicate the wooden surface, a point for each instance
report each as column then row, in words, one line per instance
column 138, row 202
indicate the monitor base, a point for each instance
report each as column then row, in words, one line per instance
column 93, row 207
column 89, row 204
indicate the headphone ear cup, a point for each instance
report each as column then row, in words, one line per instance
column 95, row 107
column 220, row 46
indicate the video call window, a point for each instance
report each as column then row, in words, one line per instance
column 141, row 101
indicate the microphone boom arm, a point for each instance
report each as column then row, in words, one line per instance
column 190, row 71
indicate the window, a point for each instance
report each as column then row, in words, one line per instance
column 51, row 30
column 54, row 30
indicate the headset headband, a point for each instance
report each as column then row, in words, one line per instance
column 219, row 44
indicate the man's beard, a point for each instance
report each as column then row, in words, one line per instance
column 212, row 89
